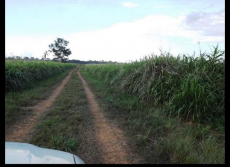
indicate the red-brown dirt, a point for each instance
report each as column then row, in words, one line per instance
column 111, row 139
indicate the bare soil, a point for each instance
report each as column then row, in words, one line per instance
column 111, row 139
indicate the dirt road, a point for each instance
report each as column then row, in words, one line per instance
column 110, row 139
column 20, row 132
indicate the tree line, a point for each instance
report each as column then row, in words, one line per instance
column 60, row 53
column 56, row 60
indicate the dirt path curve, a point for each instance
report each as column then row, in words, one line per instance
column 110, row 138
column 20, row 131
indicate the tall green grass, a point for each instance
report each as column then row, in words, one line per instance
column 190, row 87
column 19, row 73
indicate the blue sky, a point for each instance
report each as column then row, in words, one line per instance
column 116, row 30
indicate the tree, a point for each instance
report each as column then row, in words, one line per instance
column 18, row 57
column 11, row 58
column 45, row 54
column 55, row 59
column 59, row 49
column 26, row 58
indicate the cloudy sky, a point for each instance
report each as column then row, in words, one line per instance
column 116, row 30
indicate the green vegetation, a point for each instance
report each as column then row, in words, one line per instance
column 171, row 108
column 16, row 102
column 68, row 125
column 192, row 88
column 19, row 74
column 59, row 49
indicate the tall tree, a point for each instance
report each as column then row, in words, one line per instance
column 44, row 55
column 59, row 49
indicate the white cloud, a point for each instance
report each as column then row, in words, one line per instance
column 209, row 24
column 28, row 45
column 123, row 41
column 129, row 4
column 158, row 7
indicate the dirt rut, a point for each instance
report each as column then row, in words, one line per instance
column 20, row 132
column 110, row 138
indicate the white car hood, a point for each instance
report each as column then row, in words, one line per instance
column 23, row 153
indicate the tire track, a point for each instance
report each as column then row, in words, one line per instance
column 20, row 131
column 110, row 138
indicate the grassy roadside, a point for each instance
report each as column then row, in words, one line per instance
column 68, row 124
column 16, row 101
column 156, row 137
